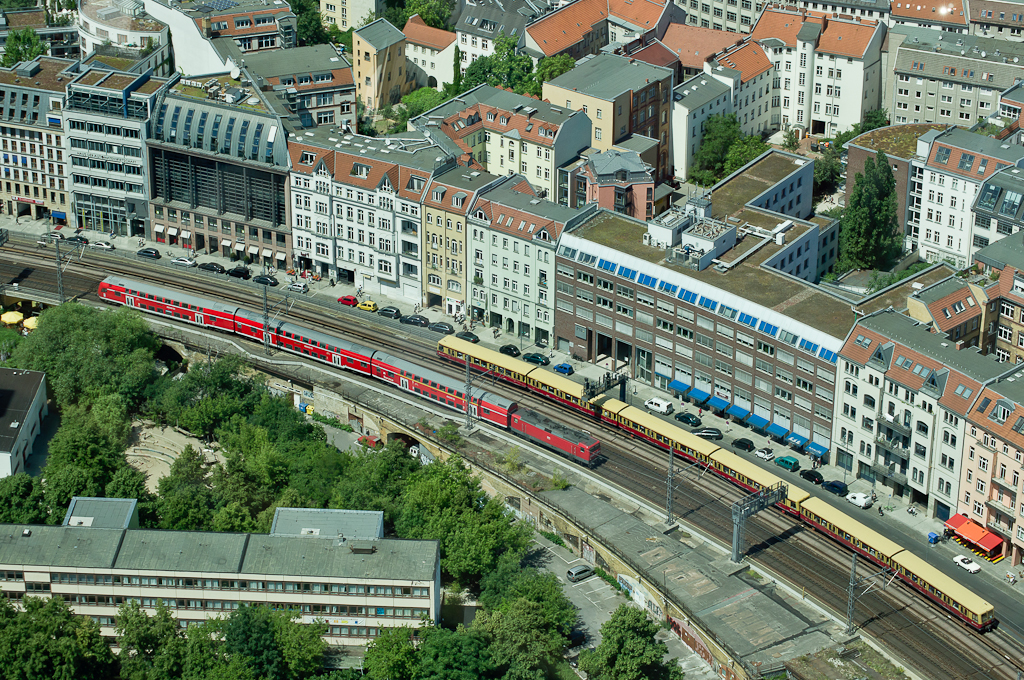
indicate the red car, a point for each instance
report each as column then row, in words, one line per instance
column 348, row 300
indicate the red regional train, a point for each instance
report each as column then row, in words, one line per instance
column 410, row 377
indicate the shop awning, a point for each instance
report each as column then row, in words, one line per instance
column 58, row 215
column 226, row 244
column 172, row 231
column 159, row 228
column 718, row 402
column 678, row 386
column 185, row 234
column 777, row 430
column 991, row 542
column 282, row 256
column 795, row 438
column 267, row 252
column 757, row 421
column 738, row 411
column 240, row 246
column 816, row 449
column 974, row 533
column 254, row 250
column 697, row 395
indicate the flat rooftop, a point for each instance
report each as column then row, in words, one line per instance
column 898, row 141
column 91, row 10
column 897, row 297
column 249, row 98
column 18, row 389
column 353, row 524
column 764, row 286
column 50, row 69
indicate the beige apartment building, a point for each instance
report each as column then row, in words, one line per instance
column 378, row 55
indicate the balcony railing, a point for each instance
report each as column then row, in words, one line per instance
column 997, row 505
column 1003, row 483
column 884, row 471
column 894, row 446
column 1001, row 529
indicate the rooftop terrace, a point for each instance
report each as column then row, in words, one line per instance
column 898, row 141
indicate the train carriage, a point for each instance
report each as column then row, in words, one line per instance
column 944, row 591
column 849, row 531
column 157, row 300
column 752, row 477
column 575, row 444
column 484, row 360
column 324, row 347
column 441, row 389
column 557, row 387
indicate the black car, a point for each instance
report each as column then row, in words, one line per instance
column 441, row 327
column 535, row 358
column 390, row 312
column 687, row 419
column 709, row 433
column 838, row 488
column 743, row 444
column 151, row 253
column 78, row 241
column 415, row 320
column 467, row 336
column 509, row 350
column 213, row 267
column 812, row 476
column 265, row 280
column 240, row 272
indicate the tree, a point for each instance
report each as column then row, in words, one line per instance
column 422, row 100
column 64, row 483
column 720, row 133
column 510, row 581
column 48, row 641
column 742, row 151
column 452, row 655
column 791, row 141
column 549, row 68
column 505, row 68
column 433, row 12
column 21, row 500
column 520, row 636
column 868, row 236
column 23, row 45
column 391, row 655
column 152, row 647
column 338, row 37
column 628, row 650
column 249, row 634
column 873, row 119
column 828, row 170
column 301, row 645
column 455, row 88
column 186, row 500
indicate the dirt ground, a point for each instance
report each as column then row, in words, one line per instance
column 154, row 447
column 857, row 660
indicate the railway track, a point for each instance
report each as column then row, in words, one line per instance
column 909, row 626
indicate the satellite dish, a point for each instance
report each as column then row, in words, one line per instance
column 983, row 54
column 235, row 73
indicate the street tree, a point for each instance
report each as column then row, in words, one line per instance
column 520, row 636
column 868, row 237
column 629, row 650
column 510, row 581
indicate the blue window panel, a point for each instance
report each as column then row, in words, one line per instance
column 809, row 346
column 828, row 355
column 747, row 320
column 647, row 280
column 708, row 303
column 686, row 296
column 669, row 288
column 606, row 265
column 768, row 329
column 627, row 273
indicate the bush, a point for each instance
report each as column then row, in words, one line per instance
column 553, row 537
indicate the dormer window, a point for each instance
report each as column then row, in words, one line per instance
column 415, row 183
column 308, row 158
column 360, row 170
column 490, row 116
column 438, row 194
column 457, row 201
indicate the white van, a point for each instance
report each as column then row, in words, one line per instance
column 659, row 406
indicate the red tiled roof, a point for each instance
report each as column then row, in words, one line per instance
column 780, row 24
column 404, row 175
column 642, row 13
column 416, row 31
column 953, row 162
column 252, row 28
column 945, row 12
column 749, row 59
column 340, row 77
column 693, row 44
column 471, row 119
column 446, row 200
column 946, row 315
column 1004, row 430
column 656, row 54
column 847, row 38
column 567, row 25
column 518, row 222
column 524, row 187
column 296, row 150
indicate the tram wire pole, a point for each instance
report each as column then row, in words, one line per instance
column 852, row 597
column 60, row 273
column 266, row 319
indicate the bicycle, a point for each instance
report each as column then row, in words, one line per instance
column 888, row 508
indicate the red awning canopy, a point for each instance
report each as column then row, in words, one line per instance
column 974, row 533
column 955, row 521
column 991, row 542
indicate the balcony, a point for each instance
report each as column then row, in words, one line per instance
column 1005, row 484
column 894, row 446
column 885, row 420
column 999, row 507
column 1006, row 531
column 884, row 471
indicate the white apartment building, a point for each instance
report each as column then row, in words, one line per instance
column 356, row 211
column 346, row 14
column 828, row 71
column 945, row 178
column 513, row 236
column 902, row 397
column 429, row 53
column 693, row 102
column 748, row 72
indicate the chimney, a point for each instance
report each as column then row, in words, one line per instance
column 205, row 23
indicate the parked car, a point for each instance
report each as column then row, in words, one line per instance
column 765, row 454
column 535, row 358
column 368, row 306
column 415, row 320
column 265, row 280
column 579, row 573
column 390, row 312
column 183, row 262
column 57, row 236
column 812, row 476
column 103, row 245
column 441, row 327
column 967, row 564
column 658, row 405
column 240, row 272
column 214, row 267
column 298, row 286
column 838, row 488
column 509, row 350
column 688, row 419
column 788, row 463
column 348, row 300
column 861, row 500
column 709, row 433
column 467, row 336
column 743, row 444
column 151, row 253
column 78, row 240
column 563, row 368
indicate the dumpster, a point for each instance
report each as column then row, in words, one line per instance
column 933, row 537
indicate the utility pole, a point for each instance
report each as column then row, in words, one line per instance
column 749, row 506
column 60, row 277
column 852, row 597
column 668, row 485
column 266, row 322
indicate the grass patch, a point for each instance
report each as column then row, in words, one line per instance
column 553, row 537
column 754, row 575
column 333, row 422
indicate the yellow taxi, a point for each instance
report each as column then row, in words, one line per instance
column 367, row 306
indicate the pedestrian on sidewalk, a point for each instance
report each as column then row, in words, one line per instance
column 700, row 412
